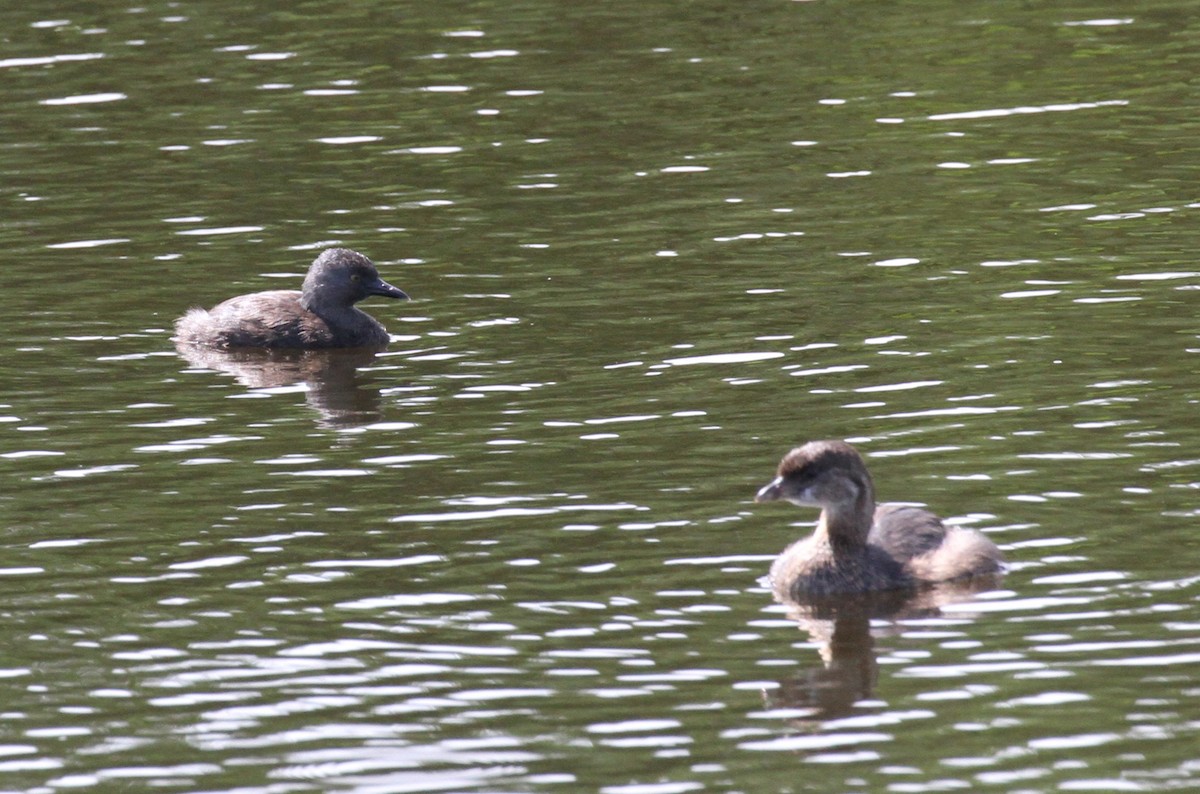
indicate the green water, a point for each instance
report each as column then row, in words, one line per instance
column 652, row 246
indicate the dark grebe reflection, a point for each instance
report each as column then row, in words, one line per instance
column 841, row 626
column 336, row 387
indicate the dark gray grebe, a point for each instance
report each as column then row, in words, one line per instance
column 321, row 315
column 858, row 547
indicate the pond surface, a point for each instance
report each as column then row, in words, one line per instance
column 652, row 246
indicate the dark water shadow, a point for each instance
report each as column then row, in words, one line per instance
column 336, row 388
column 845, row 629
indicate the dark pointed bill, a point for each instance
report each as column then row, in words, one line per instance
column 381, row 287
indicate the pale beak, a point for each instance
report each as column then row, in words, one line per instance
column 770, row 492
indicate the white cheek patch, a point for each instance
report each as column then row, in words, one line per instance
column 808, row 495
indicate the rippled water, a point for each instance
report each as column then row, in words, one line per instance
column 652, row 247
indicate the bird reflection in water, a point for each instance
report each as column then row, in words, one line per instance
column 336, row 388
column 841, row 626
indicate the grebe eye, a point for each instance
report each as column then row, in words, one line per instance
column 355, row 277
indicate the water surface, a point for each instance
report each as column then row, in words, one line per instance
column 652, row 247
